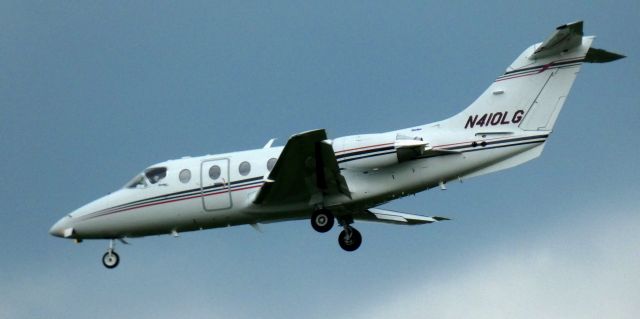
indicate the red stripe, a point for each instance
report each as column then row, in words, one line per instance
column 176, row 200
column 359, row 148
column 544, row 68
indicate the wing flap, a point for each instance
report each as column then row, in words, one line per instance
column 330, row 179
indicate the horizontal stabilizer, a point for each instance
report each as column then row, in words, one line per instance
column 393, row 217
column 601, row 56
column 566, row 37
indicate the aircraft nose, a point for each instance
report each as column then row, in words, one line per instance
column 59, row 227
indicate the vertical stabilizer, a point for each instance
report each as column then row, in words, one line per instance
column 533, row 89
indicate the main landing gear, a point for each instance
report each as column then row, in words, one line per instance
column 110, row 259
column 350, row 238
column 322, row 221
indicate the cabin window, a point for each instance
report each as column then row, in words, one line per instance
column 155, row 174
column 244, row 168
column 185, row 176
column 137, row 182
column 271, row 163
column 214, row 172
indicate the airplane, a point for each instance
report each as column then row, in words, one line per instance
column 346, row 179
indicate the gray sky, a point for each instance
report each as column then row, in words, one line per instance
column 91, row 93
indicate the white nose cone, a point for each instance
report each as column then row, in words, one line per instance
column 61, row 228
column 56, row 229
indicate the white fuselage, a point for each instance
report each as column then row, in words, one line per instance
column 369, row 163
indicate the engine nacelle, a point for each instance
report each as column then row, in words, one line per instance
column 373, row 151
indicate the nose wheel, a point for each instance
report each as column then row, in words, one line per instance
column 110, row 259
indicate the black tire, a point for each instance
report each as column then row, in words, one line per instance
column 322, row 220
column 350, row 244
column 110, row 260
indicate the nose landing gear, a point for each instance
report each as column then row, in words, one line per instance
column 110, row 259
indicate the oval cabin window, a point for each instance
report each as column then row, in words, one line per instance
column 244, row 168
column 185, row 176
column 214, row 172
column 271, row 163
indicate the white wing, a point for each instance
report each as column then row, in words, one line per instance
column 393, row 217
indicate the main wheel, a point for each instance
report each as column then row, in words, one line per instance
column 322, row 220
column 110, row 259
column 350, row 239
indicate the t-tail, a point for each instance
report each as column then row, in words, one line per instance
column 532, row 91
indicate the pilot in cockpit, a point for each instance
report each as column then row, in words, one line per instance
column 153, row 175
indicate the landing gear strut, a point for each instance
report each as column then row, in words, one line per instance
column 350, row 238
column 322, row 220
column 110, row 259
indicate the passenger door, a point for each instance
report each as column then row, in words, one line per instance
column 215, row 184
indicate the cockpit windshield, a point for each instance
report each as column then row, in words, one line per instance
column 155, row 174
column 137, row 182
column 149, row 176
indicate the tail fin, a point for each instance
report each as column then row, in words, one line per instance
column 532, row 91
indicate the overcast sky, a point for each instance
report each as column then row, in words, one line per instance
column 92, row 93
